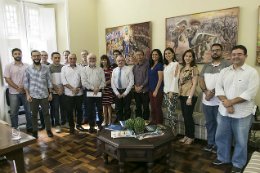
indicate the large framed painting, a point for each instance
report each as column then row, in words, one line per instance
column 199, row 31
column 258, row 40
column 128, row 39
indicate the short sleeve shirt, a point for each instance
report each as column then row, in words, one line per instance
column 153, row 76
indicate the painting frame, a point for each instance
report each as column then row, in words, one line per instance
column 128, row 39
column 257, row 61
column 198, row 31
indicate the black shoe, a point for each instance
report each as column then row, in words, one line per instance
column 236, row 169
column 217, row 162
column 3, row 159
column 49, row 133
column 91, row 130
column 99, row 127
column 29, row 130
column 80, row 128
column 214, row 149
column 41, row 127
column 72, row 129
column 35, row 134
column 209, row 147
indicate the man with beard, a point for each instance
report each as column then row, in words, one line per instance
column 93, row 79
column 14, row 75
column 208, row 77
column 38, row 88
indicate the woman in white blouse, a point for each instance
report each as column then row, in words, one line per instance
column 171, row 76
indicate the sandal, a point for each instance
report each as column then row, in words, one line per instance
column 184, row 139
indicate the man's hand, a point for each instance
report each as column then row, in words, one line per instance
column 29, row 99
column 231, row 110
column 138, row 89
column 123, row 95
column 20, row 90
column 60, row 91
column 50, row 97
column 119, row 96
column 226, row 103
column 96, row 90
column 209, row 94
column 75, row 90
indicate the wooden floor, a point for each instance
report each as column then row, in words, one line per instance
column 80, row 153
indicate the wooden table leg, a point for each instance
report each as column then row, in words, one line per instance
column 105, row 158
column 149, row 167
column 121, row 166
column 17, row 156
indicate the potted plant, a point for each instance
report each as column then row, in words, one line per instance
column 139, row 125
column 129, row 124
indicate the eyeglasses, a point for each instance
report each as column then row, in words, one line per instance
column 237, row 54
column 36, row 56
column 217, row 50
column 120, row 60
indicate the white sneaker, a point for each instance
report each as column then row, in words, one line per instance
column 103, row 124
column 57, row 129
column 67, row 126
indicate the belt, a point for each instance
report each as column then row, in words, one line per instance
column 120, row 90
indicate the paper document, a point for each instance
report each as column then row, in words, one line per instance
column 91, row 94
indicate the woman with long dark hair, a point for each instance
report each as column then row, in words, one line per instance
column 155, row 77
column 108, row 96
column 171, row 77
column 188, row 96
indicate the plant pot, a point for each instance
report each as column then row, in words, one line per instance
column 253, row 144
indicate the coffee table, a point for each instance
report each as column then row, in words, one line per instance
column 131, row 149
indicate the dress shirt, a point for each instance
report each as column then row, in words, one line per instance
column 71, row 76
column 141, row 75
column 170, row 81
column 93, row 77
column 37, row 81
column 127, row 79
column 244, row 83
column 16, row 74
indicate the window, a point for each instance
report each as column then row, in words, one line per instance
column 11, row 19
column 34, row 24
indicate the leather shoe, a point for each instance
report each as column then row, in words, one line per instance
column 80, row 128
column 35, row 134
column 49, row 133
column 84, row 122
column 72, row 129
column 29, row 130
column 91, row 130
column 41, row 127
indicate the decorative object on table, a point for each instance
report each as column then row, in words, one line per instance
column 128, row 39
column 139, row 125
column 151, row 128
column 257, row 62
column 199, row 31
column 122, row 134
column 114, row 127
column 162, row 126
column 122, row 123
column 129, row 124
column 149, row 135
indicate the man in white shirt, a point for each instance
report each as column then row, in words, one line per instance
column 93, row 79
column 236, row 88
column 210, row 102
column 70, row 77
column 122, row 82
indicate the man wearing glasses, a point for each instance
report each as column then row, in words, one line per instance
column 208, row 77
column 236, row 88
column 38, row 88
column 122, row 82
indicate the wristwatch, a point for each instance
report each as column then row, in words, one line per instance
column 50, row 92
column 189, row 97
column 203, row 90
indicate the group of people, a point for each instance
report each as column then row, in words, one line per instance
column 228, row 93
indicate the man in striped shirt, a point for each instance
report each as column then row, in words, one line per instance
column 38, row 88
column 236, row 88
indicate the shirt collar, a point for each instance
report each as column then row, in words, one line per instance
column 19, row 65
column 75, row 65
column 217, row 64
column 90, row 67
column 243, row 67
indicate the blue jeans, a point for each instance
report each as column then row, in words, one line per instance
column 15, row 101
column 59, row 103
column 211, row 113
column 240, row 128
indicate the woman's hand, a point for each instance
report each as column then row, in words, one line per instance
column 188, row 102
column 155, row 93
column 170, row 95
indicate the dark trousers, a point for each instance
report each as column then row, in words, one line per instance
column 187, row 111
column 74, row 102
column 142, row 105
column 156, row 106
column 90, row 109
column 123, row 104
column 45, row 111
column 58, row 106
